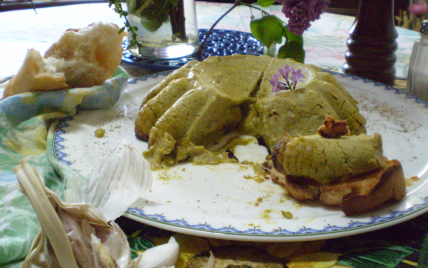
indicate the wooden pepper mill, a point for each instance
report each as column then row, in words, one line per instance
column 372, row 42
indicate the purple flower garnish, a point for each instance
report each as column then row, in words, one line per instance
column 284, row 72
column 419, row 9
column 296, row 76
column 277, row 85
column 300, row 13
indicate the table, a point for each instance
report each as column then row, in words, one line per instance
column 404, row 244
column 324, row 41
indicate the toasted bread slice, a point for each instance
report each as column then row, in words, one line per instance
column 360, row 194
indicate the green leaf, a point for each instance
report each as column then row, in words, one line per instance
column 292, row 37
column 153, row 13
column 153, row 23
column 292, row 50
column 265, row 3
column 374, row 253
column 140, row 243
column 132, row 43
column 268, row 29
column 378, row 257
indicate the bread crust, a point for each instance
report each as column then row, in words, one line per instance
column 358, row 195
column 33, row 77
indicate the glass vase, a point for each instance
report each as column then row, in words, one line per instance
column 167, row 29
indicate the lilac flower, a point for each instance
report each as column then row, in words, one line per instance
column 296, row 76
column 300, row 13
column 284, row 72
column 318, row 9
column 277, row 85
column 419, row 9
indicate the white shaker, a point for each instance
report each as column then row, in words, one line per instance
column 417, row 83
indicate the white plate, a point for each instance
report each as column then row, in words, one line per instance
column 220, row 201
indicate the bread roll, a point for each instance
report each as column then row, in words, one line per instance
column 80, row 58
column 35, row 74
column 88, row 56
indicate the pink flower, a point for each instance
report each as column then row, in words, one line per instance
column 419, row 9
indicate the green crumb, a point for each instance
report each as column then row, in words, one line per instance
column 287, row 214
column 259, row 199
column 99, row 133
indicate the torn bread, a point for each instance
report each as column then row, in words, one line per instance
column 80, row 58
column 35, row 74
